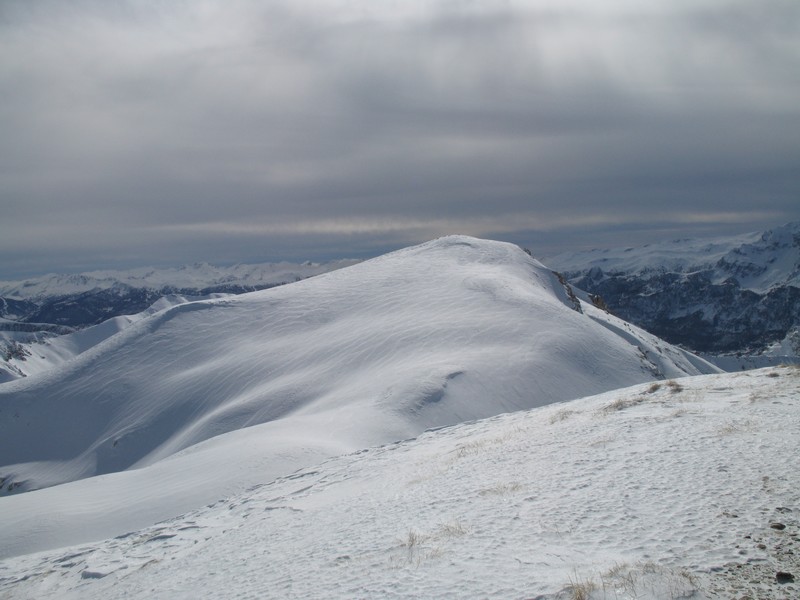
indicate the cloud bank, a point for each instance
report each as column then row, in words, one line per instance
column 141, row 132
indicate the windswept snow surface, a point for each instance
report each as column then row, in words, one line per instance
column 33, row 312
column 687, row 488
column 205, row 399
column 43, row 351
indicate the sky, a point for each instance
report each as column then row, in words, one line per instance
column 165, row 132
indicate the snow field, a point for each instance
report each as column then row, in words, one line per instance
column 46, row 351
column 656, row 491
column 203, row 400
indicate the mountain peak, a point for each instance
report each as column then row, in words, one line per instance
column 452, row 330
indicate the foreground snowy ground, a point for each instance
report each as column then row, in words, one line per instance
column 666, row 490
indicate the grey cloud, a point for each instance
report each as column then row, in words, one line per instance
column 161, row 124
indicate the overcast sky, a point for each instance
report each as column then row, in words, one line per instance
column 174, row 131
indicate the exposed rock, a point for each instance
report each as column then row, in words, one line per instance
column 784, row 577
column 720, row 299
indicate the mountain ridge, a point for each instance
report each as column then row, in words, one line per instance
column 84, row 299
column 33, row 312
column 449, row 331
column 733, row 295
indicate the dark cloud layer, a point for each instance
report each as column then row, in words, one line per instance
column 171, row 131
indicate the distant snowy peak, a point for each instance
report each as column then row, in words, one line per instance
column 728, row 295
column 757, row 261
column 197, row 276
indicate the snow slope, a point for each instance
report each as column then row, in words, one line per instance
column 33, row 312
column 204, row 399
column 42, row 350
column 650, row 492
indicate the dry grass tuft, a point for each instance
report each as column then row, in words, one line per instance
column 674, row 386
column 561, row 415
column 580, row 590
column 416, row 547
column 622, row 404
column 732, row 427
column 452, row 529
column 501, row 489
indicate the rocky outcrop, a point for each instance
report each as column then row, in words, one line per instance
column 693, row 311
column 738, row 295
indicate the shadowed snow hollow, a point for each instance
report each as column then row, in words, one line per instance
column 449, row 331
column 658, row 491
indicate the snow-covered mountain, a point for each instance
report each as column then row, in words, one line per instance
column 729, row 295
column 196, row 277
column 204, row 399
column 30, row 348
column 90, row 298
column 684, row 489
column 34, row 312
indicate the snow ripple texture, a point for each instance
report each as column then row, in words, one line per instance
column 687, row 488
column 205, row 399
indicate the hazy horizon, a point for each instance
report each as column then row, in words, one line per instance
column 542, row 251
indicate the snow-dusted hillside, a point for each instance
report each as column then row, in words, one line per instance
column 35, row 349
column 732, row 295
column 83, row 299
column 683, row 489
column 204, row 399
column 34, row 312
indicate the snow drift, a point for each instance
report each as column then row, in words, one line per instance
column 34, row 311
column 40, row 350
column 681, row 490
column 205, row 399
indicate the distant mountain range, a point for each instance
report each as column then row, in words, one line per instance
column 735, row 300
column 43, row 320
column 734, row 295
column 84, row 299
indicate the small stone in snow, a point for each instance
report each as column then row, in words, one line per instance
column 783, row 577
column 92, row 574
column 778, row 526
